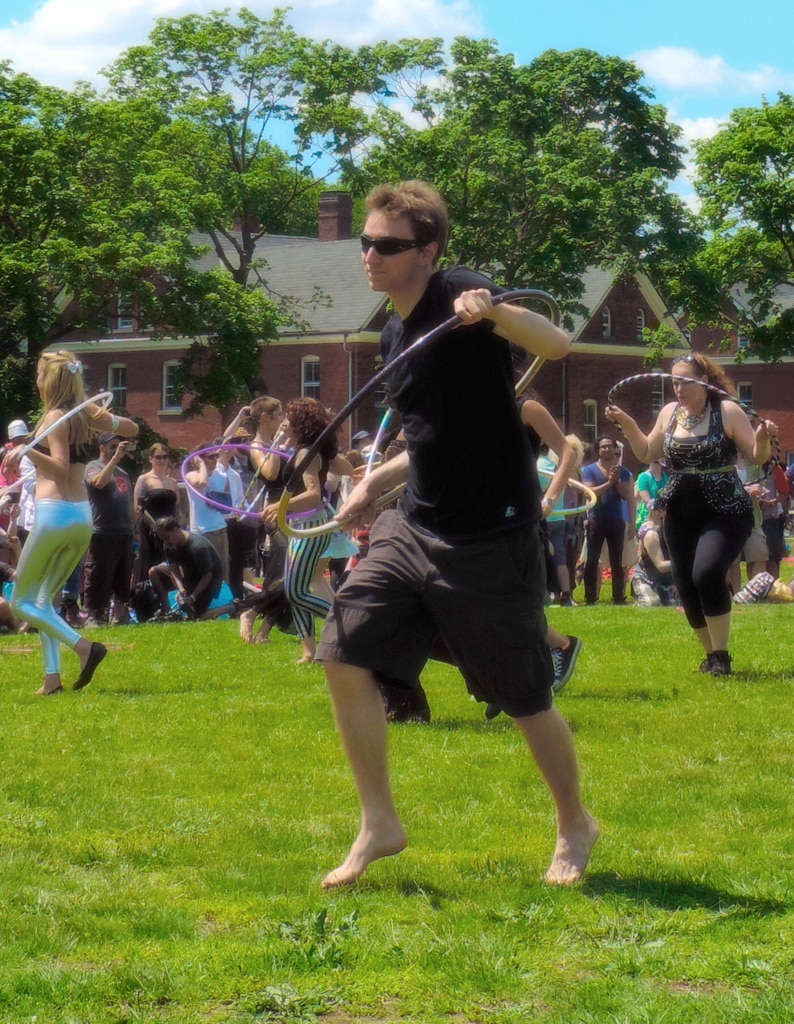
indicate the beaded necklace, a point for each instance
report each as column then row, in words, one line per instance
column 688, row 420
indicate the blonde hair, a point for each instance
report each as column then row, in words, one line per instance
column 62, row 388
column 578, row 446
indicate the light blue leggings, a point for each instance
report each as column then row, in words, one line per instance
column 303, row 556
column 57, row 542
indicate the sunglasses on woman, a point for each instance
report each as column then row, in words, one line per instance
column 389, row 246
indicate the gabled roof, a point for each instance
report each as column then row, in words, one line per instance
column 783, row 297
column 305, row 269
column 599, row 281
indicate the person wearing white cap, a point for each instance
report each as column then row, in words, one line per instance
column 16, row 429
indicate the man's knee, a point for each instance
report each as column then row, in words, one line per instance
column 348, row 677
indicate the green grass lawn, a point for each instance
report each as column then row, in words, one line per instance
column 164, row 832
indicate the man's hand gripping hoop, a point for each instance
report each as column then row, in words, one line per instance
column 519, row 295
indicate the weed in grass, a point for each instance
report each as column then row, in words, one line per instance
column 283, row 1005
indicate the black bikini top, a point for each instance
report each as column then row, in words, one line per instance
column 79, row 458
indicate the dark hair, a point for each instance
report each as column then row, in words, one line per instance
column 605, row 437
column 419, row 203
column 166, row 524
column 308, row 418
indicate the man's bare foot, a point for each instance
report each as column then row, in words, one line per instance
column 307, row 659
column 367, row 848
column 262, row 638
column 247, row 620
column 572, row 854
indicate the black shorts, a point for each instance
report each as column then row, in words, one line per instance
column 485, row 600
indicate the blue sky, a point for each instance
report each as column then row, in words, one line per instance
column 701, row 59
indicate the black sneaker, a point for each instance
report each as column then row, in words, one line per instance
column 564, row 659
column 492, row 711
column 721, row 664
column 705, row 665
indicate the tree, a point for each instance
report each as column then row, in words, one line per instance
column 90, row 207
column 547, row 168
column 745, row 179
column 260, row 116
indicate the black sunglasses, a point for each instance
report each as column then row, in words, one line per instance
column 389, row 246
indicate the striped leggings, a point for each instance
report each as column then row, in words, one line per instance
column 303, row 557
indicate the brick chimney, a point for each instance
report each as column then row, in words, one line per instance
column 336, row 216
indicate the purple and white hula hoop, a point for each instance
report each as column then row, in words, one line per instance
column 247, row 513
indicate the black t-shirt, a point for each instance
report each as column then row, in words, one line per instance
column 472, row 472
column 196, row 558
column 111, row 505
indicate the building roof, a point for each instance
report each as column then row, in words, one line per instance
column 783, row 297
column 323, row 278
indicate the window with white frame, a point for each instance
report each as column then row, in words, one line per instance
column 124, row 317
column 310, row 377
column 657, row 395
column 117, row 383
column 590, row 420
column 606, row 324
column 744, row 341
column 170, row 397
column 745, row 392
column 640, row 324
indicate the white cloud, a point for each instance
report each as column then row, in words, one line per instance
column 686, row 70
column 66, row 40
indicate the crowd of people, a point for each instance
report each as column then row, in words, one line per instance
column 482, row 539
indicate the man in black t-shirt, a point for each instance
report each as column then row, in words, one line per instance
column 460, row 557
column 192, row 566
column 108, row 568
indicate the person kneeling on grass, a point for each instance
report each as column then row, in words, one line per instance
column 193, row 568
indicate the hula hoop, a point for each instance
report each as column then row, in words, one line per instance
column 659, row 375
column 375, row 449
column 518, row 295
column 246, row 512
column 103, row 399
column 577, row 485
column 10, row 488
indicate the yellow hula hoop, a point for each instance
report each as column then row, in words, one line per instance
column 577, row 485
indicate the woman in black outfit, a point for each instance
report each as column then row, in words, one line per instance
column 709, row 514
column 156, row 496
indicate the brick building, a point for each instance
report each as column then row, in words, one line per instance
column 334, row 350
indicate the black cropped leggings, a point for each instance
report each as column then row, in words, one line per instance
column 703, row 546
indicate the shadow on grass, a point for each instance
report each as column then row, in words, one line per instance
column 754, row 678
column 672, row 894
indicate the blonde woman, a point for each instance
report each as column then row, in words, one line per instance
column 63, row 522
